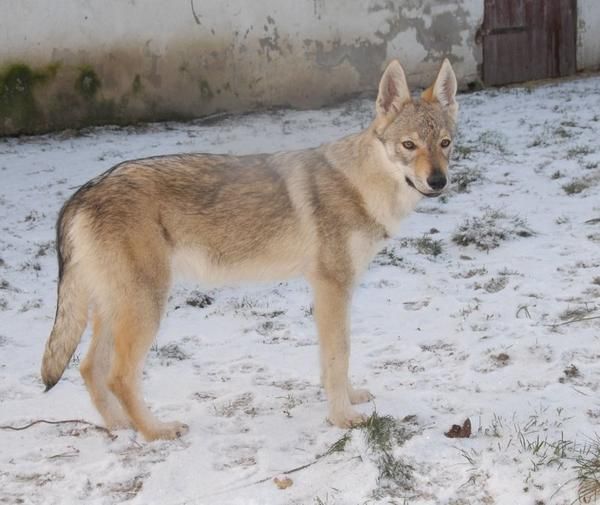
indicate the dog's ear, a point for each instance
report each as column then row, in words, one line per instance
column 443, row 90
column 393, row 90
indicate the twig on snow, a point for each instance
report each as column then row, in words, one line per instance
column 570, row 321
column 317, row 459
column 102, row 429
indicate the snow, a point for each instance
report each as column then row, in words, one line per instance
column 468, row 333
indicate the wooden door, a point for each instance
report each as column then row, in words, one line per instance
column 528, row 39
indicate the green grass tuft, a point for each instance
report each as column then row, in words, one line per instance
column 490, row 229
column 383, row 434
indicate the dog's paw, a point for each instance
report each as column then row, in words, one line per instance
column 359, row 396
column 166, row 431
column 347, row 419
column 120, row 423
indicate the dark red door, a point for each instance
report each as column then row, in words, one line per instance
column 528, row 39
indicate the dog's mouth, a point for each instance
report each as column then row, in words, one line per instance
column 432, row 194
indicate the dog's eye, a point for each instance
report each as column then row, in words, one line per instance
column 409, row 144
column 445, row 143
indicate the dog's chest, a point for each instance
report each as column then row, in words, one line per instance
column 362, row 247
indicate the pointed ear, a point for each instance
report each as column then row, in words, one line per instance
column 393, row 90
column 443, row 90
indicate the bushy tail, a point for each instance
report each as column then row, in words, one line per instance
column 69, row 324
column 71, row 312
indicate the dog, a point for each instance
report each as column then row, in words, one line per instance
column 320, row 213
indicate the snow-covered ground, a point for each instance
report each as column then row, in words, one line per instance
column 474, row 311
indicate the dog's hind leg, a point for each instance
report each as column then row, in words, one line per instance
column 134, row 331
column 95, row 369
column 136, row 319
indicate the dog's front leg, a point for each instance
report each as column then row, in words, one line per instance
column 331, row 304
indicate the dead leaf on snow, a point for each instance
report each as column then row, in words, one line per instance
column 457, row 431
column 283, row 482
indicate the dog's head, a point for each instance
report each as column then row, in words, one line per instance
column 417, row 134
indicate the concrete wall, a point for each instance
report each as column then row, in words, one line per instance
column 66, row 63
column 588, row 34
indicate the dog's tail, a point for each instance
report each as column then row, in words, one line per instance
column 72, row 306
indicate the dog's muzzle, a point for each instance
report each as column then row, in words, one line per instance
column 428, row 195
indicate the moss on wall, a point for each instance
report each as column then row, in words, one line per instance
column 205, row 90
column 88, row 83
column 136, row 86
column 19, row 109
column 34, row 100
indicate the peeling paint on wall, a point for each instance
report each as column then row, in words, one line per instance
column 179, row 61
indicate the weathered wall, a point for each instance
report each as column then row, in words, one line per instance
column 588, row 34
column 68, row 63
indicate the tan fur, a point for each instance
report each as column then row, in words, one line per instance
column 319, row 213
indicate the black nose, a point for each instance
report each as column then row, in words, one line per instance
column 437, row 181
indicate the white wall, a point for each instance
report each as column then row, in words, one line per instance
column 588, row 34
column 156, row 59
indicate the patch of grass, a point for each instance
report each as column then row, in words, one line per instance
column 537, row 445
column 490, row 230
column 289, row 404
column 491, row 139
column 338, row 445
column 577, row 151
column 428, row 246
column 128, row 490
column 496, row 427
column 569, row 123
column 462, row 151
column 269, row 314
column 199, row 300
column 587, row 465
column 494, row 285
column 572, row 313
column 536, row 142
column 244, row 303
column 31, row 265
column 170, row 352
column 463, row 177
column 31, row 304
column 471, row 273
column 242, row 403
column 389, row 257
column 576, row 186
column 542, row 450
column 394, row 470
column 563, row 133
column 383, row 434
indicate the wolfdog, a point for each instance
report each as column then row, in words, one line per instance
column 320, row 213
